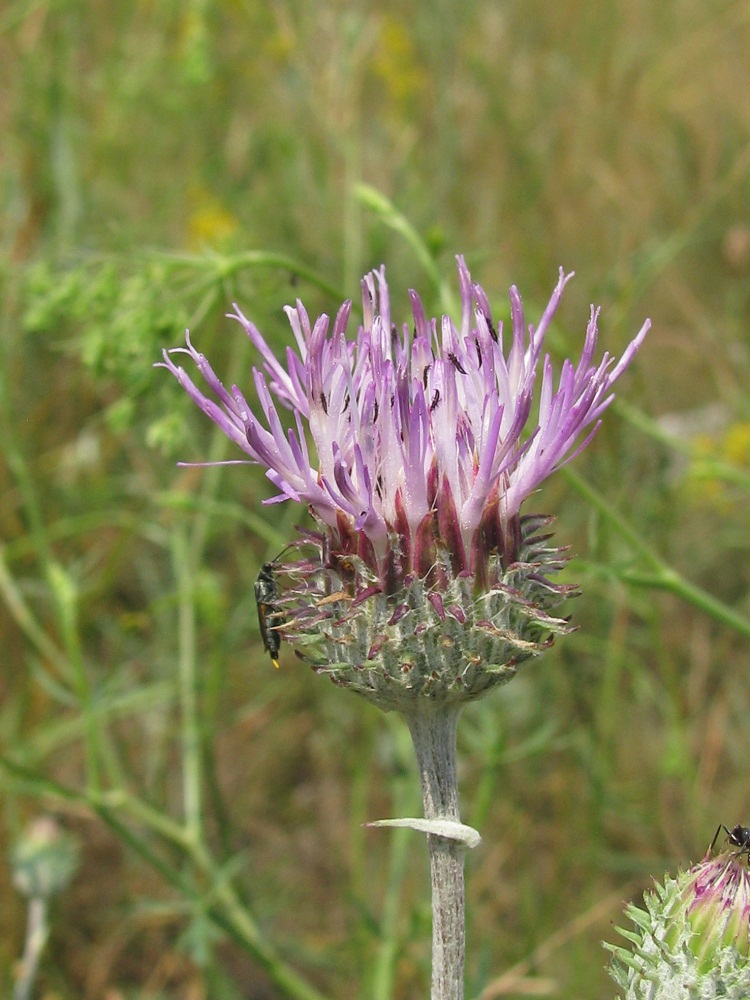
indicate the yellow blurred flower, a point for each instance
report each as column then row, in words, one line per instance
column 209, row 223
column 736, row 444
column 395, row 63
column 707, row 479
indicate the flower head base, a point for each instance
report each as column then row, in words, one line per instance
column 425, row 449
column 693, row 938
column 437, row 638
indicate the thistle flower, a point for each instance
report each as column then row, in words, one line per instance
column 422, row 585
column 692, row 939
column 414, row 450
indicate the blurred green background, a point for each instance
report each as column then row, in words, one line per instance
column 161, row 160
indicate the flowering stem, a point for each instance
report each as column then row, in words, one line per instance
column 37, row 932
column 433, row 732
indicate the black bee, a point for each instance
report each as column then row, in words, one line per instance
column 738, row 836
column 266, row 593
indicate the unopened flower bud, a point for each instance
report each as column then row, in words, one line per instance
column 692, row 940
column 44, row 860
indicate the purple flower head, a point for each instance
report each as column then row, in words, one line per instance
column 420, row 434
column 414, row 448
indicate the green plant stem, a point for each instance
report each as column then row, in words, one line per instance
column 65, row 593
column 222, row 268
column 433, row 733
column 383, row 207
column 190, row 731
column 26, row 620
column 661, row 575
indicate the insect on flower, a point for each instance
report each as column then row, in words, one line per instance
column 269, row 616
column 738, row 836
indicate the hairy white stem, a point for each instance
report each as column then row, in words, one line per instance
column 433, row 732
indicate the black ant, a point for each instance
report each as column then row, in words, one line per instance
column 738, row 836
